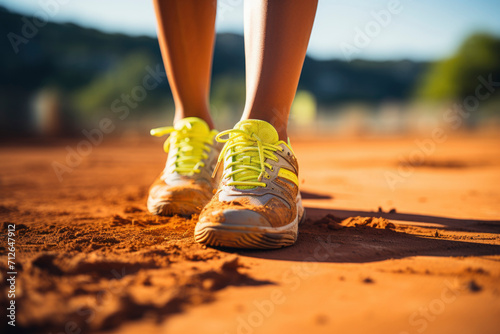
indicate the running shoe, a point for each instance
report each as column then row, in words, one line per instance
column 186, row 185
column 257, row 203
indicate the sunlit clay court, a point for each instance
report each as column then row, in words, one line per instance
column 249, row 167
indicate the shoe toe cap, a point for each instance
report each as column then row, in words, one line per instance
column 183, row 200
column 236, row 217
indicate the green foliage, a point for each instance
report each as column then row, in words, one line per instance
column 99, row 94
column 228, row 96
column 229, row 89
column 457, row 77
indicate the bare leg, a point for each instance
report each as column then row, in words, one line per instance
column 186, row 33
column 276, row 37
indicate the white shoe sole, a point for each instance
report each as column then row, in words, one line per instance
column 238, row 236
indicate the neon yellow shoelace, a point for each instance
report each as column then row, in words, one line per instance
column 189, row 146
column 248, row 155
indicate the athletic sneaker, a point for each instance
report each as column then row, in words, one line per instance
column 186, row 185
column 257, row 204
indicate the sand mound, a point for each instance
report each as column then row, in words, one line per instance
column 368, row 222
column 336, row 223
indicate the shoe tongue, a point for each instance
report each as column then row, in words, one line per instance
column 267, row 134
column 192, row 130
column 261, row 129
column 193, row 123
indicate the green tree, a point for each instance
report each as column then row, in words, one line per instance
column 98, row 95
column 457, row 77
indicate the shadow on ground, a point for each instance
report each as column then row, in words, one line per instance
column 358, row 244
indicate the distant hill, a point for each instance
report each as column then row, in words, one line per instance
column 71, row 57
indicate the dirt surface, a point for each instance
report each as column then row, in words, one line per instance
column 399, row 239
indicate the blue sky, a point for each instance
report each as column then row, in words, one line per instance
column 420, row 30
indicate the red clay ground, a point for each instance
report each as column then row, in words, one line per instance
column 90, row 258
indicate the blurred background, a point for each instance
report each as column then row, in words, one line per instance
column 373, row 68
